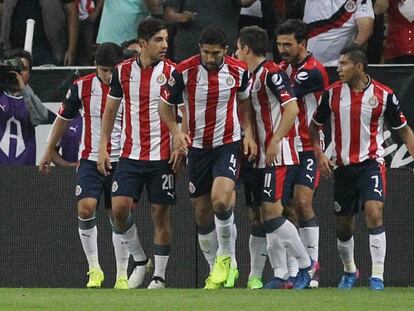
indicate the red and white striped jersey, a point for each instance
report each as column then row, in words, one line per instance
column 210, row 99
column 88, row 96
column 85, row 7
column 333, row 25
column 357, row 120
column 270, row 92
column 144, row 135
column 309, row 80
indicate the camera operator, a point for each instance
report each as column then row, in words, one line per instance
column 17, row 123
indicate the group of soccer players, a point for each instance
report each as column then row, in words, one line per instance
column 132, row 139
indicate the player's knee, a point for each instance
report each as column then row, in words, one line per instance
column 220, row 204
column 86, row 210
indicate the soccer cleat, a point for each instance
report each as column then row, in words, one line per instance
column 278, row 283
column 140, row 269
column 156, row 283
column 96, row 277
column 121, row 283
column 211, row 285
column 348, row 280
column 221, row 269
column 232, row 278
column 255, row 283
column 305, row 275
column 376, row 284
column 315, row 279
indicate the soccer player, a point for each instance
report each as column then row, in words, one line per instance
column 146, row 158
column 357, row 106
column 88, row 96
column 309, row 79
column 214, row 87
column 276, row 109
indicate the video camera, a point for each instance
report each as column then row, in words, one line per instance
column 8, row 67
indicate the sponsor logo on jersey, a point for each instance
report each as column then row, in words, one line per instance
column 277, row 79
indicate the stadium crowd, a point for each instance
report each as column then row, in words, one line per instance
column 238, row 90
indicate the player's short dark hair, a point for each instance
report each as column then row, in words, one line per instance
column 356, row 54
column 214, row 36
column 295, row 27
column 22, row 54
column 127, row 43
column 108, row 54
column 255, row 38
column 148, row 27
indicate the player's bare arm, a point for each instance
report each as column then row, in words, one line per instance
column 249, row 143
column 407, row 136
column 289, row 114
column 167, row 115
column 324, row 164
column 58, row 129
column 108, row 120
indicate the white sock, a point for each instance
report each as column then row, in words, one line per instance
column 292, row 265
column 224, row 235
column 130, row 238
column 346, row 252
column 121, row 256
column 377, row 246
column 277, row 255
column 310, row 240
column 289, row 237
column 89, row 240
column 160, row 265
column 209, row 245
column 258, row 254
column 233, row 263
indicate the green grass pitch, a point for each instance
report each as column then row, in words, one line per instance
column 357, row 299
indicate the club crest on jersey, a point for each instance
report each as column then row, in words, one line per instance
column 78, row 190
column 114, row 186
column 161, row 79
column 191, row 187
column 257, row 85
column 171, row 81
column 350, row 6
column 373, row 101
column 230, row 81
column 277, row 79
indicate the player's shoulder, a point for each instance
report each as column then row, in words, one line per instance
column 382, row 86
column 335, row 86
column 85, row 78
column 234, row 62
column 189, row 63
column 271, row 67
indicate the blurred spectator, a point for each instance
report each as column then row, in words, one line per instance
column 131, row 48
column 120, row 19
column 334, row 24
column 69, row 145
column 375, row 46
column 20, row 111
column 399, row 43
column 192, row 16
column 88, row 12
column 56, row 28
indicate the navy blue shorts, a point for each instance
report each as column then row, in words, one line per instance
column 90, row 183
column 276, row 183
column 204, row 165
column 157, row 176
column 308, row 172
column 355, row 184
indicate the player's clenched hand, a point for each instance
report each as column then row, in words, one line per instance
column 44, row 164
column 271, row 153
column 325, row 165
column 249, row 147
column 176, row 160
column 181, row 141
column 104, row 162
